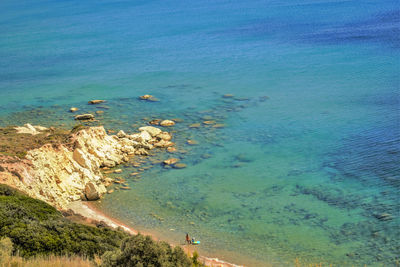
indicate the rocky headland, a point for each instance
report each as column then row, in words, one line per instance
column 60, row 167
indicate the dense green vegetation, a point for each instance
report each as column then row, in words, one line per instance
column 34, row 228
column 141, row 250
column 37, row 228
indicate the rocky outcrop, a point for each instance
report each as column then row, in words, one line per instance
column 60, row 174
column 29, row 129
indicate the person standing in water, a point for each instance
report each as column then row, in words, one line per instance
column 188, row 238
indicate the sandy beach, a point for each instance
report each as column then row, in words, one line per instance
column 89, row 211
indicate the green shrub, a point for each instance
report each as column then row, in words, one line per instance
column 141, row 250
column 37, row 228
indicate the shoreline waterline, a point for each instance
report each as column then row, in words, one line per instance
column 89, row 211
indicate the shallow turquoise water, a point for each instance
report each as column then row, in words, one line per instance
column 305, row 173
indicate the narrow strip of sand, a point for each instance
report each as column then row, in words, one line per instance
column 89, row 211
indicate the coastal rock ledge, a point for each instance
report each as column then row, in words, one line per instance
column 62, row 173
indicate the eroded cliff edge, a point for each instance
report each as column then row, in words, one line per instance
column 62, row 172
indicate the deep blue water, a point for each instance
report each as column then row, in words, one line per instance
column 306, row 173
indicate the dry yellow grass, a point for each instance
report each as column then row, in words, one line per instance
column 50, row 261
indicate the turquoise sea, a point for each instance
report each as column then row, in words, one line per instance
column 307, row 164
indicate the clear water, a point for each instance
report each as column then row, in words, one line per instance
column 304, row 174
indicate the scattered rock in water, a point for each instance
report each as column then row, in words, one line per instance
column 110, row 191
column 134, row 174
column 148, row 98
column 207, row 118
column 227, row 96
column 192, row 142
column 195, row 125
column 237, row 165
column 84, row 117
column 170, row 161
column 118, row 171
column 167, row 123
column 155, row 122
column 206, row 156
column 145, row 97
column 73, row 109
column 208, row 122
column 93, row 102
column 125, row 188
column 171, row 149
column 242, row 98
column 263, row 98
column 177, row 120
column 103, row 107
column 218, row 125
column 99, row 112
column 179, row 165
column 384, row 216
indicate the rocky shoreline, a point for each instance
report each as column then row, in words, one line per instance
column 64, row 174
column 61, row 173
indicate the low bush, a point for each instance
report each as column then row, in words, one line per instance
column 37, row 228
column 141, row 250
column 37, row 232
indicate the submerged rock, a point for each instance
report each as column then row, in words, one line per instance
column 195, row 125
column 171, row 149
column 384, row 216
column 218, row 125
column 170, row 161
column 73, row 109
column 192, row 142
column 93, row 102
column 84, row 117
column 179, row 165
column 155, row 122
column 228, row 96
